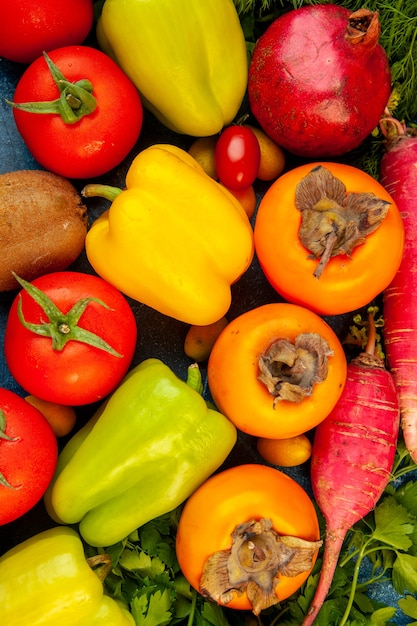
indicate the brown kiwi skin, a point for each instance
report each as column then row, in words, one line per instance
column 43, row 225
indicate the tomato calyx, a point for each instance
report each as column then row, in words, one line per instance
column 334, row 221
column 290, row 370
column 75, row 99
column 61, row 327
column 257, row 558
column 3, row 479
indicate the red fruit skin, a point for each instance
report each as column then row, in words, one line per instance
column 27, row 461
column 314, row 92
column 29, row 28
column 398, row 174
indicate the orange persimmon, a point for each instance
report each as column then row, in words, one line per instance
column 235, row 497
column 293, row 395
column 352, row 237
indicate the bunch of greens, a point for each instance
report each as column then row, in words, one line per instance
column 382, row 548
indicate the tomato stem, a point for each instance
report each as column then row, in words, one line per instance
column 3, row 479
column 75, row 99
column 61, row 327
column 3, row 428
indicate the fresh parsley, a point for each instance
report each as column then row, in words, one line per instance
column 381, row 548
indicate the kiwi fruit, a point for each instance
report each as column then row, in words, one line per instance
column 43, row 225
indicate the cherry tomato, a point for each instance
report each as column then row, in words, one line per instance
column 237, row 157
column 348, row 281
column 72, row 370
column 28, row 28
column 234, row 368
column 28, row 456
column 236, row 496
column 100, row 139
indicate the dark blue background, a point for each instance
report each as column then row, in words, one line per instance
column 159, row 336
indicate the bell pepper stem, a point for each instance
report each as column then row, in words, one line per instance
column 194, row 379
column 93, row 190
column 101, row 565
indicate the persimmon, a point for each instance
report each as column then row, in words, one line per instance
column 200, row 340
column 247, row 198
column 243, row 517
column 288, row 452
column 202, row 150
column 62, row 418
column 277, row 370
column 329, row 237
column 272, row 156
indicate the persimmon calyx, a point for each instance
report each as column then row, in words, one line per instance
column 257, row 557
column 290, row 370
column 334, row 221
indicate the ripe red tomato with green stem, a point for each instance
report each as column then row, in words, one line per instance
column 77, row 112
column 28, row 28
column 70, row 338
column 28, row 456
column 237, row 157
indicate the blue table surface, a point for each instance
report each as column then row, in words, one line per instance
column 159, row 336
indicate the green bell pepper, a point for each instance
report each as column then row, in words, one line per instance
column 154, row 442
column 187, row 58
column 47, row 581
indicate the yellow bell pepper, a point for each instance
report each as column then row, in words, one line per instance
column 187, row 58
column 47, row 581
column 174, row 239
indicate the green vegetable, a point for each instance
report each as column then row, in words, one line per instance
column 172, row 51
column 153, row 444
column 146, row 577
column 46, row 580
column 381, row 548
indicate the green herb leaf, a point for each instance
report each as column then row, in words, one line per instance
column 406, row 495
column 153, row 610
column 393, row 524
column 214, row 614
column 404, row 573
column 141, row 563
column 408, row 605
column 380, row 617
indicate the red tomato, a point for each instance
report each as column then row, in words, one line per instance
column 28, row 28
column 28, row 456
column 237, row 157
column 79, row 373
column 97, row 142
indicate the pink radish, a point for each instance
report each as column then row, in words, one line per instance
column 353, row 454
column 399, row 177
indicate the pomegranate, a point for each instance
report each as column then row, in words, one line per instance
column 319, row 80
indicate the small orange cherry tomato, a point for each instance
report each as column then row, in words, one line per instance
column 301, row 363
column 238, row 496
column 352, row 276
